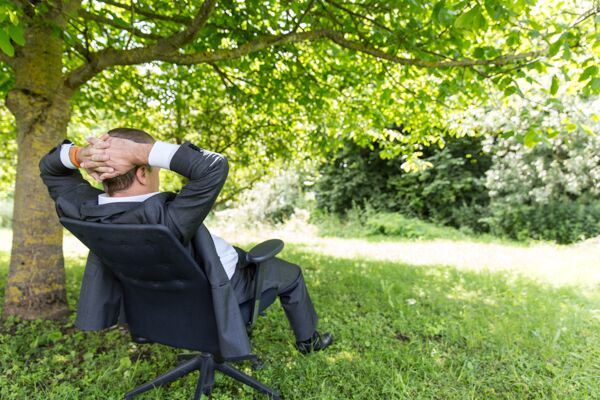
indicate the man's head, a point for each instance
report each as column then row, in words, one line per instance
column 139, row 180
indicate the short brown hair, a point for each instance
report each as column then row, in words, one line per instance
column 122, row 182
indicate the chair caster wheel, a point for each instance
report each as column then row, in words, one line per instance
column 256, row 364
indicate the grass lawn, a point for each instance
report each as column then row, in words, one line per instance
column 402, row 332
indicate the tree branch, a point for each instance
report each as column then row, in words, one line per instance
column 149, row 14
column 109, row 57
column 223, row 200
column 360, row 16
column 589, row 13
column 336, row 37
column 107, row 21
column 227, row 81
column 246, row 48
column 339, row 39
column 166, row 50
column 243, row 135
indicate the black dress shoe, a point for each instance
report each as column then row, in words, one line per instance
column 317, row 342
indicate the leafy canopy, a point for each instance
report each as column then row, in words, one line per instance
column 267, row 80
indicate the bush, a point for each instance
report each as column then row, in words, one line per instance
column 397, row 225
column 368, row 222
column 549, row 192
column 271, row 201
column 355, row 177
column 559, row 222
column 451, row 192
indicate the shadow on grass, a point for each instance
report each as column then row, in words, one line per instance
column 401, row 332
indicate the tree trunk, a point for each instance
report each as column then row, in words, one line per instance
column 40, row 104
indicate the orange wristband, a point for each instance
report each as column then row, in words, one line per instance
column 73, row 155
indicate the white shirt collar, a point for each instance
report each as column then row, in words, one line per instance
column 104, row 198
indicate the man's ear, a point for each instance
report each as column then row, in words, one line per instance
column 141, row 174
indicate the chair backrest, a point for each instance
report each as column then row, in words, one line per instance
column 167, row 297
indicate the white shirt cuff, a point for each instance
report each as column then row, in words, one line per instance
column 161, row 154
column 64, row 156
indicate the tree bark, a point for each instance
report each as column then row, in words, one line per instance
column 40, row 104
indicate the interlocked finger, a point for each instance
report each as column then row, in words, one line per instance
column 99, row 156
column 104, row 169
column 108, row 175
column 93, row 164
column 99, row 143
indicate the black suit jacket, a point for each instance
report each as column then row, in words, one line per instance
column 100, row 300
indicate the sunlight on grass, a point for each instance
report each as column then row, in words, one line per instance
column 547, row 263
column 402, row 332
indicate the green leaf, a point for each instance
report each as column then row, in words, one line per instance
column 479, row 53
column 510, row 90
column 124, row 362
column 5, row 44
column 120, row 21
column 554, row 85
column 494, row 9
column 513, row 38
column 531, row 138
column 588, row 129
column 551, row 132
column 590, row 71
column 13, row 17
column 441, row 14
column 437, row 8
column 538, row 66
column 594, row 84
column 571, row 127
column 16, row 33
column 555, row 47
column 472, row 19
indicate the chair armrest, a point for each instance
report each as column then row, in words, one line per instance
column 264, row 251
column 258, row 254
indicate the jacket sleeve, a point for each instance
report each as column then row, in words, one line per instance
column 61, row 180
column 206, row 172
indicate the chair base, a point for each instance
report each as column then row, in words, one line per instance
column 206, row 364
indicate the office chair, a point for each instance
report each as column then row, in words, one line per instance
column 168, row 299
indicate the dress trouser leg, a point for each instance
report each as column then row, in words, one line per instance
column 286, row 278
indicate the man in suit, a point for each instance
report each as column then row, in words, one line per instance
column 127, row 162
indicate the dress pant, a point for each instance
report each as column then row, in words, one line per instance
column 287, row 281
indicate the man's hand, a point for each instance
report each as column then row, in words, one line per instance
column 118, row 156
column 93, row 158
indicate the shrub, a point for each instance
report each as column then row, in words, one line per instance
column 560, row 222
column 355, row 177
column 550, row 192
column 269, row 201
column 451, row 192
column 394, row 224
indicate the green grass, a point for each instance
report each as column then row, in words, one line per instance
column 401, row 332
column 390, row 226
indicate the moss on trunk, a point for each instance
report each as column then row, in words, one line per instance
column 40, row 104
